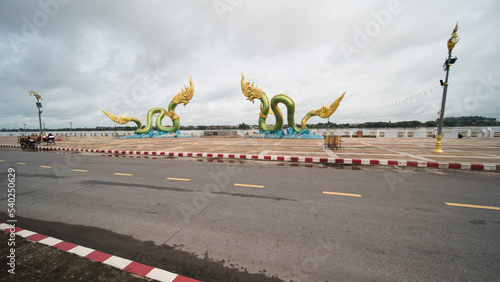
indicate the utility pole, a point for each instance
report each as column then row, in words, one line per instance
column 449, row 61
column 39, row 106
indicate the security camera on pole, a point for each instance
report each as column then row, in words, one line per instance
column 447, row 64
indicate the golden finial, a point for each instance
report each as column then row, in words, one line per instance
column 453, row 39
column 35, row 93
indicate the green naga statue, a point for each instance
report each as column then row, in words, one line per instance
column 252, row 92
column 182, row 97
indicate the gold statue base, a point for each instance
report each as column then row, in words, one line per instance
column 438, row 149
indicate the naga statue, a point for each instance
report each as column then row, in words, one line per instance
column 252, row 92
column 182, row 97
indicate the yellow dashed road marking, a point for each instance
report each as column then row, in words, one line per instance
column 80, row 170
column 45, row 166
column 341, row 194
column 21, row 163
column 473, row 206
column 180, row 179
column 124, row 174
column 248, row 185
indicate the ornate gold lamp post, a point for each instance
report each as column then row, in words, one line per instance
column 451, row 43
column 39, row 106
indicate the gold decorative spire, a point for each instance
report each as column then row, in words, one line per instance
column 453, row 39
column 35, row 93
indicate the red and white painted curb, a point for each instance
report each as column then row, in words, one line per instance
column 132, row 267
column 399, row 163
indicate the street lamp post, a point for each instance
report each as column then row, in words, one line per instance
column 24, row 129
column 71, row 129
column 449, row 61
column 39, row 106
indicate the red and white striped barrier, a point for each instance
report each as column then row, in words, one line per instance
column 399, row 163
column 133, row 267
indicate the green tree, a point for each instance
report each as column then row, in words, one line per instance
column 243, row 126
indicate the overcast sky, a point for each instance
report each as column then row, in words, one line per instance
column 126, row 57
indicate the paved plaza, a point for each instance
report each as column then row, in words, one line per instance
column 470, row 150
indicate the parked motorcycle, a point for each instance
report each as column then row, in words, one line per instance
column 27, row 143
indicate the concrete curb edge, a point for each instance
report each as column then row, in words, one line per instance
column 129, row 266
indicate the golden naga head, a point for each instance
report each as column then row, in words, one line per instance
column 120, row 120
column 249, row 90
column 185, row 95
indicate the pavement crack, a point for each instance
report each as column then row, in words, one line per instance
column 253, row 196
column 186, row 224
column 41, row 175
column 124, row 184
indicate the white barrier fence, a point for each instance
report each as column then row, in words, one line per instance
column 421, row 132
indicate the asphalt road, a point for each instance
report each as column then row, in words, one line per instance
column 315, row 223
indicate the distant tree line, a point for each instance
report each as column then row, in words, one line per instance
column 448, row 122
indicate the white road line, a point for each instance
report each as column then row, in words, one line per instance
column 294, row 152
column 369, row 154
column 401, row 153
column 263, row 153
column 472, row 157
column 330, row 153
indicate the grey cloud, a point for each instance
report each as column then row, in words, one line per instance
column 129, row 56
